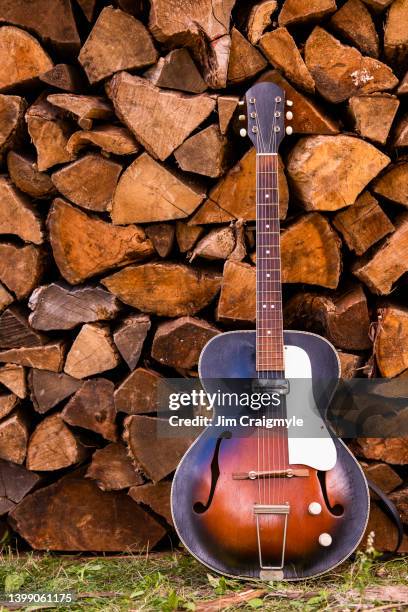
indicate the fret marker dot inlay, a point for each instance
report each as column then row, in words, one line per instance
column 267, row 226
column 264, row 306
column 267, row 252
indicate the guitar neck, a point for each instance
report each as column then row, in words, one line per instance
column 269, row 320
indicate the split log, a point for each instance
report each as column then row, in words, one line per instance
column 349, row 165
column 378, row 5
column 156, row 496
column 178, row 343
column 152, row 288
column 7, row 404
column 88, row 8
column 207, row 152
column 400, row 499
column 260, row 17
column 112, row 469
column 391, row 450
column 57, row 306
column 187, row 235
column 401, row 133
column 226, row 106
column 84, row 246
column 396, row 33
column 234, row 196
column 48, row 389
column 92, row 407
column 177, row 70
column 280, row 49
column 13, row 438
column 15, row 483
column 217, row 244
column 343, row 318
column 366, row 111
column 83, row 108
column 53, row 24
column 47, row 357
column 158, row 454
column 311, row 252
column 341, row 71
column 138, row 393
column 17, row 215
column 21, row 268
column 15, row 330
column 383, row 476
column 214, row 60
column 25, row 175
column 23, row 58
column 115, row 523
column 92, row 352
column 109, row 138
column 130, row 336
column 13, row 377
column 12, row 110
column 237, row 300
column 308, row 116
column 305, row 11
column 160, row 119
column 5, row 297
column 353, row 22
column 148, row 192
column 107, row 50
column 385, row 534
column 53, row 446
column 350, row 364
column 65, row 77
column 390, row 346
column 174, row 24
column 389, row 261
column 245, row 61
column 89, row 182
column 162, row 236
column 392, row 185
column 363, row 224
column 49, row 130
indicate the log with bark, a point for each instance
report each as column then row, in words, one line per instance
column 127, row 234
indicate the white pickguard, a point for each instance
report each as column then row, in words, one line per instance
column 318, row 453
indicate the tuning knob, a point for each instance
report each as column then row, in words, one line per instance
column 242, row 117
column 241, row 103
column 243, row 132
column 289, row 130
column 314, row 508
column 325, row 539
column 289, row 102
column 289, row 115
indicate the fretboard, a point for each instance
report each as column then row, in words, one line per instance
column 269, row 325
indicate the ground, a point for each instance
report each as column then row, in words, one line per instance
column 174, row 581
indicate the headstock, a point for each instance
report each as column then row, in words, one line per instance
column 267, row 116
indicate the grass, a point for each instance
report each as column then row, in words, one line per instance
column 174, row 581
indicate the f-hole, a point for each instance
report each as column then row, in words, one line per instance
column 337, row 509
column 199, row 507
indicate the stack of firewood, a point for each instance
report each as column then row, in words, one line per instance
column 127, row 208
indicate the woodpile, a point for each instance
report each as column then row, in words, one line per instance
column 127, row 236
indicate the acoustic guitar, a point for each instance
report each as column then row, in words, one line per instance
column 262, row 502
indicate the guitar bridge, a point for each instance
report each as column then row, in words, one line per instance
column 274, row 509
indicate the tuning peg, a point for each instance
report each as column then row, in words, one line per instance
column 243, row 132
column 289, row 115
column 289, row 102
column 289, row 130
column 242, row 117
column 241, row 103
